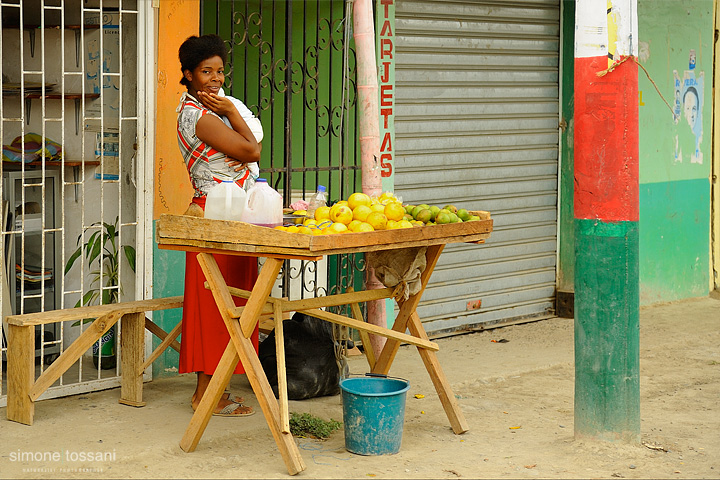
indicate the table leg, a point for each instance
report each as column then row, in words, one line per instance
column 407, row 308
column 218, row 382
column 281, row 371
column 440, row 381
column 408, row 319
column 246, row 352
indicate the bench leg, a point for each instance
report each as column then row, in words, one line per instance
column 21, row 373
column 132, row 350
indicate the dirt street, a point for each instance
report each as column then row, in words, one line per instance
column 517, row 397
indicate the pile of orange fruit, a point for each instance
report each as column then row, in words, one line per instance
column 362, row 213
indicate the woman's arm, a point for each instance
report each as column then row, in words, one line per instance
column 238, row 142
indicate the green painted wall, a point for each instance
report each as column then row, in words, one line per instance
column 674, row 189
column 674, row 183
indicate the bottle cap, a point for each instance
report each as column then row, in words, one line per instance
column 321, row 188
column 261, row 180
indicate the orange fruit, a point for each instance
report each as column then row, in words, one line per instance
column 292, row 229
column 341, row 214
column 316, row 231
column 405, row 224
column 322, row 213
column 364, row 227
column 354, row 224
column 338, row 227
column 394, row 211
column 305, row 230
column 378, row 207
column 310, row 222
column 361, row 212
column 377, row 220
column 280, row 227
column 357, row 199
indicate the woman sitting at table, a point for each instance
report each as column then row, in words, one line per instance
column 212, row 152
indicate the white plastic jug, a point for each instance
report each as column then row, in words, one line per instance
column 264, row 205
column 226, row 201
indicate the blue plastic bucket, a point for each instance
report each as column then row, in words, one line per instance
column 373, row 414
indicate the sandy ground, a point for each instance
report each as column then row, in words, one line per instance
column 517, row 397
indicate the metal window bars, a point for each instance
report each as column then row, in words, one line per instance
column 74, row 171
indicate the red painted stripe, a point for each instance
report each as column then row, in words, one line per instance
column 606, row 141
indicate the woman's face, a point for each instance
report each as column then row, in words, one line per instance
column 208, row 76
column 691, row 109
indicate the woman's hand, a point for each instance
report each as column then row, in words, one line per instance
column 220, row 105
column 235, row 163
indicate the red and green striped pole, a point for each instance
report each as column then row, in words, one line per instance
column 607, row 385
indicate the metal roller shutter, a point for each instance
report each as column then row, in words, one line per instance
column 477, row 126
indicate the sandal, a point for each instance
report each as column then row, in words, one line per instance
column 232, row 411
column 231, row 397
column 234, row 398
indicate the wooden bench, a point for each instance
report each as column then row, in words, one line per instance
column 24, row 390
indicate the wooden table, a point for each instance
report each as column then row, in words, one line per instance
column 209, row 237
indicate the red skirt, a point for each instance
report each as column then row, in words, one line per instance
column 204, row 335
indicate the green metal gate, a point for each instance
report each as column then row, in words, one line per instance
column 293, row 64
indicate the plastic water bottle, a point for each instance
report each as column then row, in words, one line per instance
column 264, row 205
column 316, row 201
column 226, row 201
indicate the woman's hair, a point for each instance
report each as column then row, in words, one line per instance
column 196, row 49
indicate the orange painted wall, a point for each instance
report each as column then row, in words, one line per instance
column 177, row 20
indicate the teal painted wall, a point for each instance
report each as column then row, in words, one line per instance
column 673, row 264
column 674, row 181
column 168, row 281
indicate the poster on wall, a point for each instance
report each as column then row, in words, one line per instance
column 687, row 113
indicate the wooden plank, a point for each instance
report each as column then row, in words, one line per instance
column 162, row 335
column 281, row 372
column 185, row 226
column 407, row 308
column 318, row 302
column 95, row 311
column 132, row 349
column 20, row 373
column 239, row 250
column 440, row 381
column 71, row 354
column 282, row 252
column 239, row 233
column 168, row 341
column 364, row 336
column 370, row 328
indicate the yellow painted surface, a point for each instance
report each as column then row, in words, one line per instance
column 177, row 20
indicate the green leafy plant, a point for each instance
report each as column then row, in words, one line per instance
column 307, row 425
column 102, row 254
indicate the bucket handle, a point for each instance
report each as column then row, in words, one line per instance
column 371, row 374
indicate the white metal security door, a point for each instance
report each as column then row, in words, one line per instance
column 477, row 126
column 71, row 122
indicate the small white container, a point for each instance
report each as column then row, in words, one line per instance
column 227, row 201
column 264, row 205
